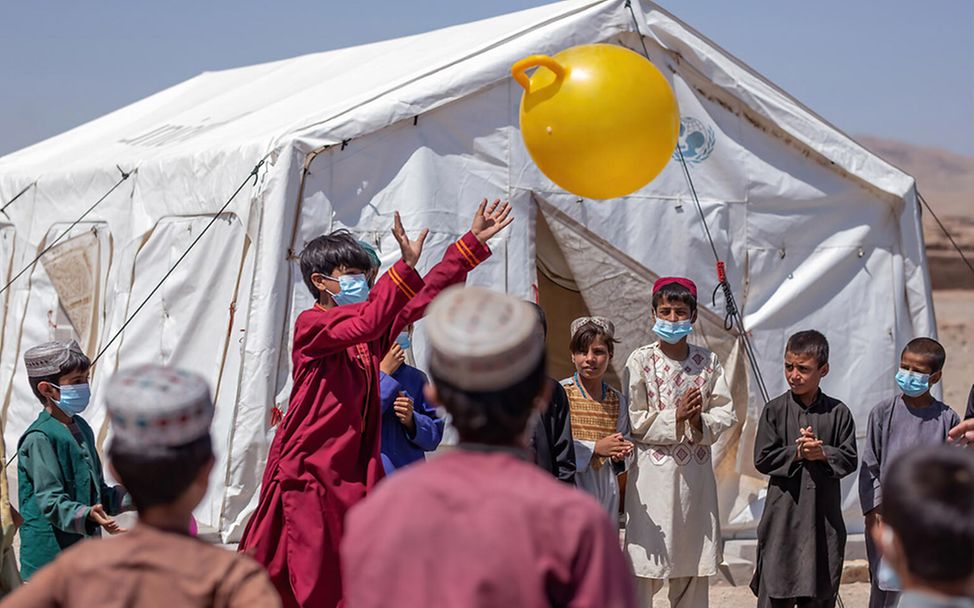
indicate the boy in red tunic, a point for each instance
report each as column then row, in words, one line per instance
column 325, row 456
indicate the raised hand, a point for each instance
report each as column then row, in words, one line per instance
column 411, row 249
column 489, row 221
column 393, row 360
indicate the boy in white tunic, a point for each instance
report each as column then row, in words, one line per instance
column 679, row 404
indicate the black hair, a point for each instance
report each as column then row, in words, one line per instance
column 674, row 292
column 159, row 477
column 492, row 417
column 541, row 317
column 330, row 251
column 76, row 362
column 809, row 343
column 929, row 349
column 928, row 499
column 587, row 334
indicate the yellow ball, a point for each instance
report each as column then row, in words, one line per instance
column 598, row 119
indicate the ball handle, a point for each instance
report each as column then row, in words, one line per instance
column 519, row 69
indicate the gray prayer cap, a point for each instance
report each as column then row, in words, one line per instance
column 157, row 406
column 482, row 340
column 48, row 358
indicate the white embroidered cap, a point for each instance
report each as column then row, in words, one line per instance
column 47, row 359
column 601, row 322
column 158, row 406
column 482, row 340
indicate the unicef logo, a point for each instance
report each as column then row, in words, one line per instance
column 696, row 141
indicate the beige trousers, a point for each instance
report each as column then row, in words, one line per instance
column 684, row 592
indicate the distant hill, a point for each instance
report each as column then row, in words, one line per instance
column 946, row 181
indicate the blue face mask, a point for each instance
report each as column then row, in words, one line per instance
column 403, row 340
column 672, row 332
column 886, row 577
column 354, row 289
column 913, row 384
column 74, row 398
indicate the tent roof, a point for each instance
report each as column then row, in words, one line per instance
column 262, row 104
column 325, row 97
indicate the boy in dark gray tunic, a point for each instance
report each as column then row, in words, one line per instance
column 910, row 419
column 806, row 443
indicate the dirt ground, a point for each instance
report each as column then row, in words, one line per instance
column 854, row 595
column 955, row 326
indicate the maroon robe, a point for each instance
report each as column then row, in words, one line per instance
column 325, row 454
column 482, row 528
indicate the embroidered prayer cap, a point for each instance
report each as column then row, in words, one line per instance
column 47, row 359
column 157, row 406
column 482, row 340
column 373, row 255
column 663, row 281
column 603, row 323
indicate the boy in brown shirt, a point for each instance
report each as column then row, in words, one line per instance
column 162, row 453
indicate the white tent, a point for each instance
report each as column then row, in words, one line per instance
column 815, row 230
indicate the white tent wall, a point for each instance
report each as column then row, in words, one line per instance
column 144, row 227
column 814, row 228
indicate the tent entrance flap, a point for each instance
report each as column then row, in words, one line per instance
column 562, row 301
column 585, row 274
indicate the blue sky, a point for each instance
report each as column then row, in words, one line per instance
column 892, row 68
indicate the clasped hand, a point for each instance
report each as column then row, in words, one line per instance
column 688, row 408
column 809, row 446
column 613, row 446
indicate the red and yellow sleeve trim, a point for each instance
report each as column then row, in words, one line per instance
column 406, row 279
column 400, row 283
column 471, row 250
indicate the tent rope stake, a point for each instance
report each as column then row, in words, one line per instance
column 733, row 317
column 252, row 175
column 67, row 231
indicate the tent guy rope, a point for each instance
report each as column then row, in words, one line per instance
column 18, row 195
column 733, row 317
column 67, row 231
column 216, row 216
column 946, row 233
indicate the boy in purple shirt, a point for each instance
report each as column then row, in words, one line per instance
column 910, row 419
column 410, row 426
